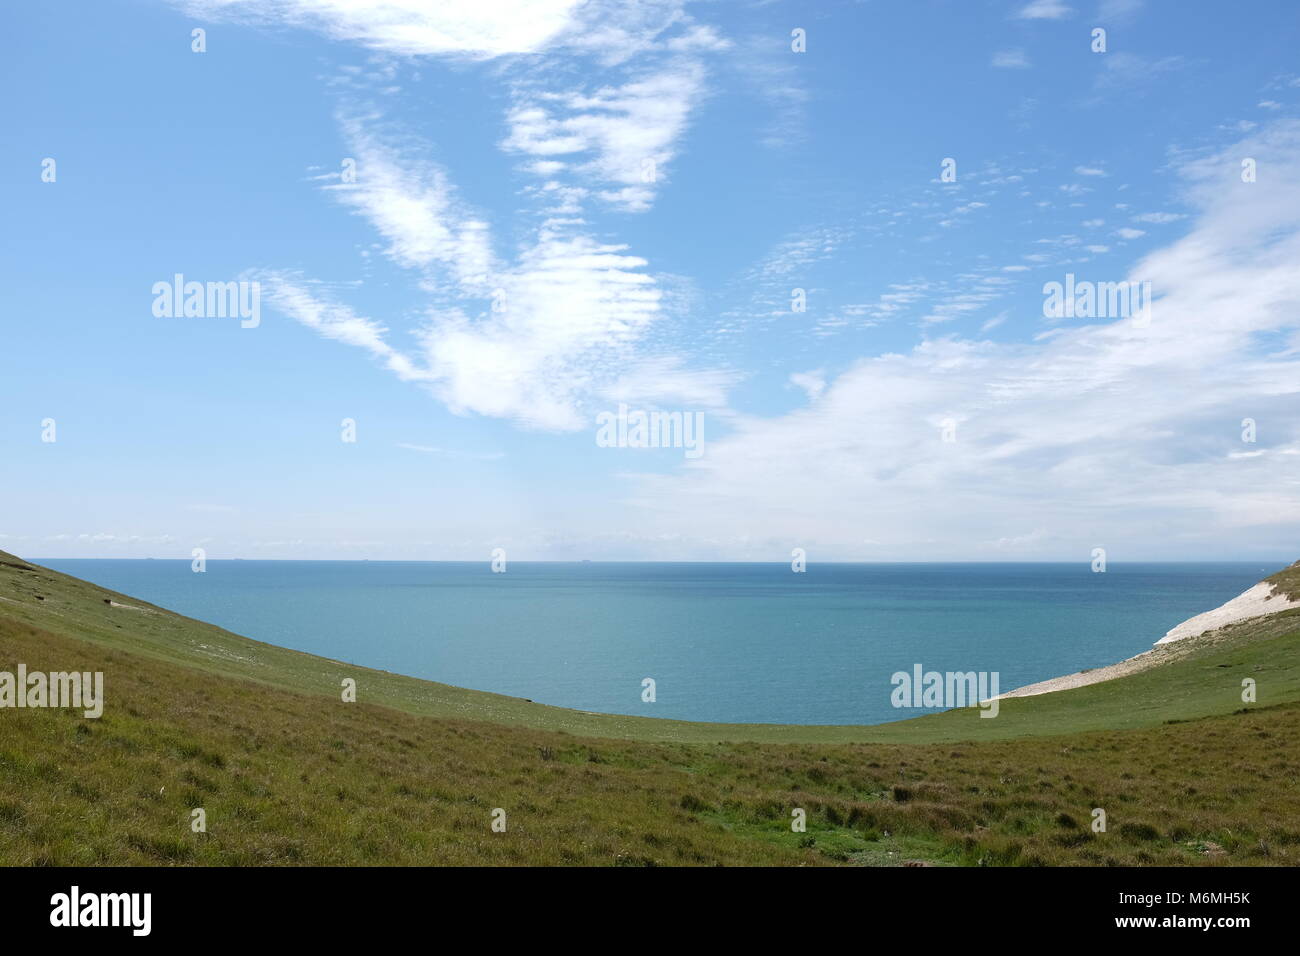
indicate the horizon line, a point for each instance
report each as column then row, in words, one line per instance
column 488, row 560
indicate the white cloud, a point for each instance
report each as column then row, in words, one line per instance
column 1011, row 59
column 305, row 301
column 663, row 382
column 537, row 336
column 1108, row 434
column 624, row 136
column 888, row 304
column 468, row 27
column 698, row 38
column 573, row 306
column 955, row 306
column 813, row 383
column 767, row 286
column 763, row 67
column 1044, row 10
column 1121, row 70
column 994, row 322
column 530, row 340
column 795, row 255
column 451, row 452
column 616, row 31
column 1030, row 541
column 412, row 204
column 1118, row 9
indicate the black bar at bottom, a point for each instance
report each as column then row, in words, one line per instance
column 336, row 905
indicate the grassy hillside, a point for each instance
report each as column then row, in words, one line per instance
column 1287, row 582
column 287, row 773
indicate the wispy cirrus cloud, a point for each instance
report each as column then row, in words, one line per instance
column 538, row 339
column 1038, row 466
column 1044, row 10
column 412, row 204
column 1122, row 70
column 1011, row 59
column 622, row 136
column 1119, row 10
column 569, row 310
column 536, row 335
column 451, row 452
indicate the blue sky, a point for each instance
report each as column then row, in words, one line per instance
column 562, row 207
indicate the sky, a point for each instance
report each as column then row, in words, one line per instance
column 824, row 235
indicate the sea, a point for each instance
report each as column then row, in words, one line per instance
column 734, row 643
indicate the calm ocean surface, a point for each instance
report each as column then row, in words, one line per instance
column 724, row 642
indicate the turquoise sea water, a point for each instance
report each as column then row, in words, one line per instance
column 723, row 642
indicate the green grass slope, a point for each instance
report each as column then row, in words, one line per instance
column 1286, row 582
column 258, row 737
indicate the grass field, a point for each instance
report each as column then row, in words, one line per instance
column 259, row 738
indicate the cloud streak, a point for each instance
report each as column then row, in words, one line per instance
column 1106, row 434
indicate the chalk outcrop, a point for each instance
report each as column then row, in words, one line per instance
column 1281, row 592
column 1262, row 599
